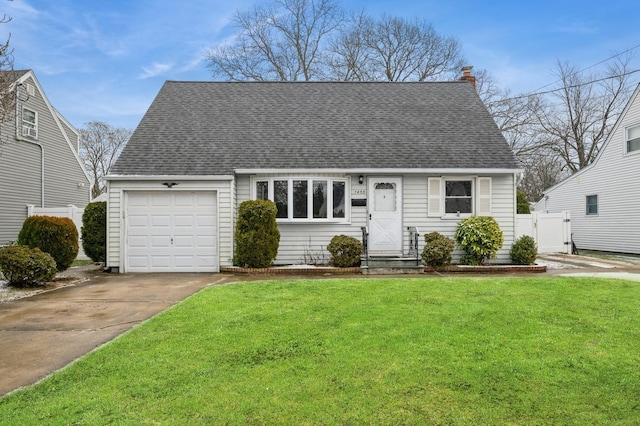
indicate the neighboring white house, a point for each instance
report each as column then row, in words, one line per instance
column 333, row 156
column 604, row 197
column 39, row 162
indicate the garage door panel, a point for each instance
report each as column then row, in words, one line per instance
column 138, row 262
column 184, row 221
column 160, row 261
column 159, row 199
column 171, row 231
column 159, row 241
column 160, row 221
column 205, row 242
column 140, row 241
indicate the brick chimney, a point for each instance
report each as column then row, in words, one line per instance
column 466, row 75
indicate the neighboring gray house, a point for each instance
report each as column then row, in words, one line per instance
column 39, row 163
column 604, row 197
column 334, row 156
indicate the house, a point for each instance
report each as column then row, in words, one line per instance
column 604, row 197
column 333, row 156
column 39, row 162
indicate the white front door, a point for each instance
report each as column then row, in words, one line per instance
column 385, row 216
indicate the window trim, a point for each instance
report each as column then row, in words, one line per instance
column 474, row 200
column 627, row 141
column 25, row 125
column 481, row 196
column 310, row 180
column 586, row 205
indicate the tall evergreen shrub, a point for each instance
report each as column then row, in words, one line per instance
column 57, row 236
column 257, row 236
column 94, row 231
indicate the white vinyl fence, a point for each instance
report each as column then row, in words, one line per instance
column 72, row 212
column 551, row 231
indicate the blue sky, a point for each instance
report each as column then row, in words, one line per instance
column 106, row 59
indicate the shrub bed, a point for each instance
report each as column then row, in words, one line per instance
column 57, row 236
column 23, row 266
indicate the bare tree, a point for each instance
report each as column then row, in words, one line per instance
column 100, row 146
column 516, row 116
column 7, row 79
column 395, row 49
column 282, row 40
column 580, row 114
column 290, row 40
column 542, row 169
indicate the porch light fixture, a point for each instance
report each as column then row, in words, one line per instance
column 360, row 179
column 170, row 184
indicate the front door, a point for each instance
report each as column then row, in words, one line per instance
column 385, row 216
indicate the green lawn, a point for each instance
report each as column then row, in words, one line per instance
column 505, row 350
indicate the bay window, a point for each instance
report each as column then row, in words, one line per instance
column 303, row 199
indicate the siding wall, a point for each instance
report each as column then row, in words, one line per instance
column 302, row 242
column 20, row 167
column 615, row 178
column 115, row 214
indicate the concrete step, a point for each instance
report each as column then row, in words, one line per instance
column 391, row 265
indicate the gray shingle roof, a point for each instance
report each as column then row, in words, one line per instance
column 209, row 128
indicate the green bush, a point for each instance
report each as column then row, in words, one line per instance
column 94, row 231
column 437, row 249
column 522, row 205
column 480, row 237
column 257, row 237
column 345, row 251
column 524, row 251
column 23, row 266
column 57, row 236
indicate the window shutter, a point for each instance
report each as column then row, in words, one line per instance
column 484, row 196
column 434, row 208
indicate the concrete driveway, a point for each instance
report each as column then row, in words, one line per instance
column 45, row 332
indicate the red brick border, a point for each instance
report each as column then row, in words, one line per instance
column 328, row 270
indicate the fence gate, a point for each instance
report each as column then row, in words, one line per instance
column 551, row 231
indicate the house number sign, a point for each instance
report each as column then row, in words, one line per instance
column 360, row 192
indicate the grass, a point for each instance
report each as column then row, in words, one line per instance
column 364, row 351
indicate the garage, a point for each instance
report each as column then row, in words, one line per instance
column 171, row 231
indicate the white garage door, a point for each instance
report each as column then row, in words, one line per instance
column 171, row 231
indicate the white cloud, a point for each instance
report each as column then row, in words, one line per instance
column 155, row 70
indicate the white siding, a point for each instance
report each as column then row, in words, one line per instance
column 615, row 178
column 300, row 241
column 21, row 171
column 115, row 213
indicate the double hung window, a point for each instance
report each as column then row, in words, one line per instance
column 633, row 139
column 592, row 205
column 29, row 123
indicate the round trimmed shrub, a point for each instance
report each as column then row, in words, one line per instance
column 524, row 251
column 57, row 236
column 480, row 237
column 23, row 266
column 437, row 249
column 94, row 231
column 345, row 251
column 257, row 236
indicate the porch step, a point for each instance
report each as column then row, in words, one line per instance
column 391, row 265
